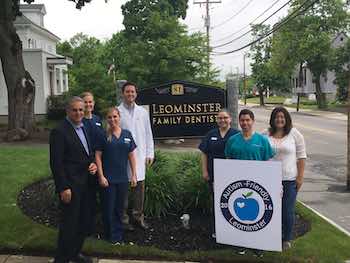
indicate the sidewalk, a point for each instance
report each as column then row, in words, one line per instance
column 27, row 259
column 325, row 114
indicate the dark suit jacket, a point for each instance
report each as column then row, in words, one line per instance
column 69, row 161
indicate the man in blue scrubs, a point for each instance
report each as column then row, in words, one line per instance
column 248, row 145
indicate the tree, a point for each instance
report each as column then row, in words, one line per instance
column 262, row 71
column 307, row 39
column 89, row 72
column 341, row 65
column 155, row 47
column 19, row 83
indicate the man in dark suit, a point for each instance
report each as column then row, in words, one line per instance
column 72, row 164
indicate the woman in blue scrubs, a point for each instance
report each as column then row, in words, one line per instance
column 112, row 156
column 93, row 126
column 213, row 146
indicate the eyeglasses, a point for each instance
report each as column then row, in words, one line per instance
column 77, row 110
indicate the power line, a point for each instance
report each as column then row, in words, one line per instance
column 240, row 30
column 274, row 29
column 246, row 33
column 234, row 15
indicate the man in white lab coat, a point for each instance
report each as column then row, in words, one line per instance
column 136, row 119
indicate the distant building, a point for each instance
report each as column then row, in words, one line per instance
column 48, row 69
column 328, row 85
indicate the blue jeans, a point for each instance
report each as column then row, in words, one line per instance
column 113, row 199
column 288, row 209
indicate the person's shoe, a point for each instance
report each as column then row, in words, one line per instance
column 258, row 253
column 241, row 251
column 81, row 259
column 128, row 227
column 286, row 245
column 142, row 224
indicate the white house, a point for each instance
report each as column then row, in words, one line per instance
column 328, row 85
column 48, row 69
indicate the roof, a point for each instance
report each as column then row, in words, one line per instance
column 23, row 20
column 32, row 7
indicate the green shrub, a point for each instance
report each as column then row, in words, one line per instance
column 175, row 186
column 56, row 107
column 195, row 193
column 162, row 187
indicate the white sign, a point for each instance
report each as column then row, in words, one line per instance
column 248, row 205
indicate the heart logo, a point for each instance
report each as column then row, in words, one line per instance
column 240, row 205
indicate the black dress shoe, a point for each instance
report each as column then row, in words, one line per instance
column 82, row 259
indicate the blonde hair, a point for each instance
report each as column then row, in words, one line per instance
column 108, row 127
column 87, row 93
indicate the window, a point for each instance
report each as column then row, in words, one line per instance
column 58, row 84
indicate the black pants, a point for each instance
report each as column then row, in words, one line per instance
column 74, row 225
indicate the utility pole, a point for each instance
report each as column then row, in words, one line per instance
column 348, row 152
column 207, row 25
column 244, row 80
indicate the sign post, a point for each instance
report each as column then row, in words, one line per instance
column 247, row 203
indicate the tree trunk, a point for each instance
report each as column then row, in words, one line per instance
column 320, row 96
column 20, row 85
column 261, row 96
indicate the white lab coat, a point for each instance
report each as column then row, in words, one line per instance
column 140, row 127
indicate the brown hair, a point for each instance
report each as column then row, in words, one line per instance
column 287, row 127
column 108, row 127
column 129, row 83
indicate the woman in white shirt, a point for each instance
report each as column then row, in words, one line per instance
column 289, row 145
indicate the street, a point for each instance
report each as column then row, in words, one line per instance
column 324, row 186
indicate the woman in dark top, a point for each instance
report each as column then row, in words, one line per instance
column 93, row 126
column 213, row 146
column 112, row 155
column 90, row 120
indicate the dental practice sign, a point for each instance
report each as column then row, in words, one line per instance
column 248, row 203
column 182, row 109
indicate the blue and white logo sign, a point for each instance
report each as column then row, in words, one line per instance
column 246, row 205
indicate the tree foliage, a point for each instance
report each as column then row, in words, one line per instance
column 263, row 72
column 341, row 65
column 307, row 38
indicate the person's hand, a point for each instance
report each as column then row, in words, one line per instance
column 92, row 168
column 299, row 181
column 205, row 176
column 133, row 181
column 66, row 196
column 149, row 161
column 103, row 181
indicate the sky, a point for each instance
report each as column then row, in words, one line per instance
column 101, row 20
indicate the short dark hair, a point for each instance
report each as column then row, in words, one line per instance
column 287, row 127
column 246, row 112
column 128, row 83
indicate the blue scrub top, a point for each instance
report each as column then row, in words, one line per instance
column 95, row 128
column 213, row 145
column 115, row 156
column 256, row 148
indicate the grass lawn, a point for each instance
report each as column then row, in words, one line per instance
column 21, row 166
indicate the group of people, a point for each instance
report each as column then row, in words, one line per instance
column 281, row 141
column 86, row 159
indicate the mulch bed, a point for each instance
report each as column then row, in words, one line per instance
column 39, row 202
